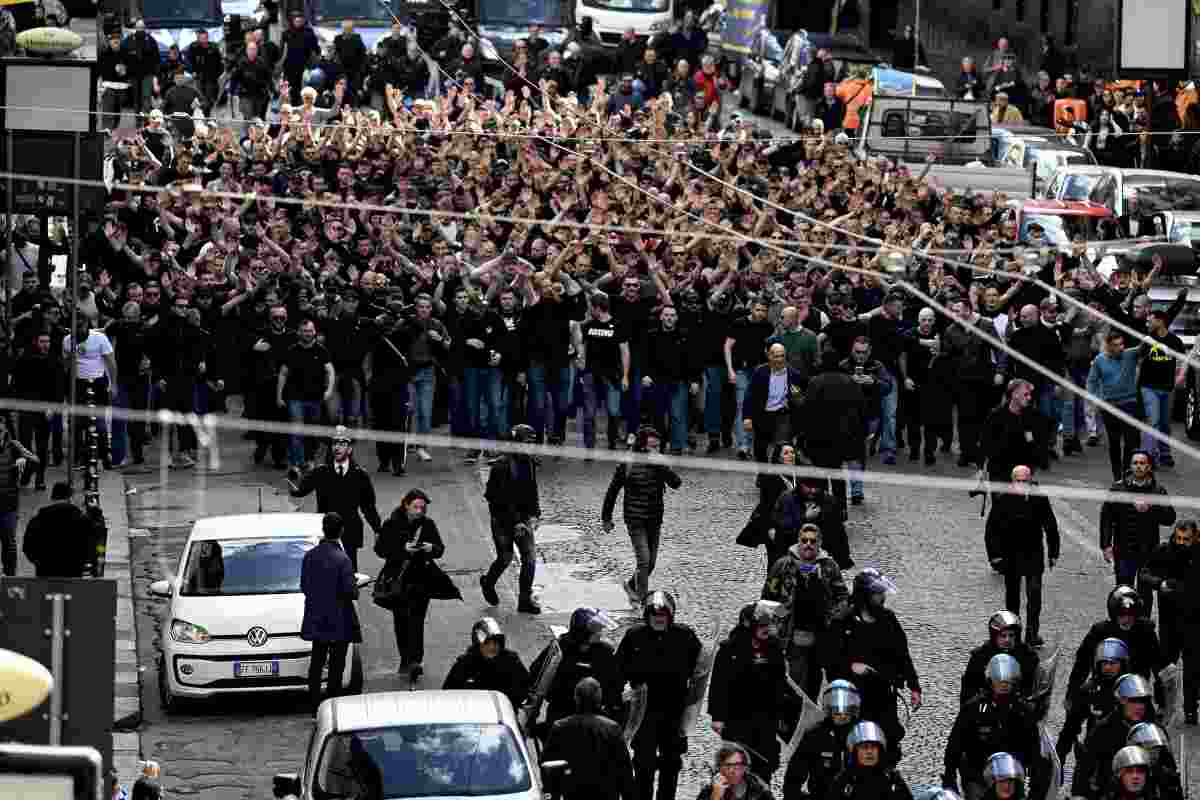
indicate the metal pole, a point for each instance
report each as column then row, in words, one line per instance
column 917, row 38
column 8, row 212
column 73, row 294
column 57, row 635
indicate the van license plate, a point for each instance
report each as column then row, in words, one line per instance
column 255, row 669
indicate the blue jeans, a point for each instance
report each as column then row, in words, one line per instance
column 744, row 440
column 1157, row 403
column 481, row 388
column 856, row 467
column 671, row 401
column 1072, row 408
column 599, row 392
column 543, row 379
column 1050, row 407
column 421, row 399
column 307, row 412
column 887, row 433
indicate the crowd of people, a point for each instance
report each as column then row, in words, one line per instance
column 603, row 245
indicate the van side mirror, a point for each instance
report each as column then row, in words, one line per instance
column 284, row 784
column 160, row 588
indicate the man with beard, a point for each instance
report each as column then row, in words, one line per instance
column 270, row 349
column 479, row 329
column 672, row 376
column 305, row 382
column 809, row 504
column 129, row 338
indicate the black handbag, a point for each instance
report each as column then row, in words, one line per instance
column 391, row 589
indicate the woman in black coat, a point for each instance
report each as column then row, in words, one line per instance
column 770, row 487
column 409, row 543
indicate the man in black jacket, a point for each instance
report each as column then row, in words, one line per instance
column 661, row 655
column 351, row 55
column 593, row 747
column 344, row 488
column 644, row 484
column 512, row 496
column 1129, row 528
column 1019, row 520
column 205, row 60
column 37, row 377
column 671, row 373
column 60, row 541
column 836, row 412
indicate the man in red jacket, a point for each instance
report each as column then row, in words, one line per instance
column 709, row 81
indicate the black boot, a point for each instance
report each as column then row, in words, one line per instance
column 488, row 587
column 527, row 605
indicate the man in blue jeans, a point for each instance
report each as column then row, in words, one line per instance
column 1156, row 382
column 306, row 381
column 429, row 341
column 745, row 349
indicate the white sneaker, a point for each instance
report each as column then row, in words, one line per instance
column 423, row 454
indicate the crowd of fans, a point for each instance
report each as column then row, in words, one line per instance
column 480, row 261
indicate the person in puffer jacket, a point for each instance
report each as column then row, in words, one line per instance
column 1129, row 528
column 644, row 484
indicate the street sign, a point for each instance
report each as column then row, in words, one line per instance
column 69, row 626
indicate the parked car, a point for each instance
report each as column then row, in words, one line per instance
column 415, row 744
column 1134, row 195
column 1063, row 220
column 232, row 624
column 1073, row 181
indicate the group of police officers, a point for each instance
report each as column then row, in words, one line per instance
column 811, row 630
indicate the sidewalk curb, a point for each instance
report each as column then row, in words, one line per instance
column 127, row 698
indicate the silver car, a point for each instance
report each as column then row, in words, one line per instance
column 392, row 745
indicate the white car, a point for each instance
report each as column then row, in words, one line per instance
column 450, row 744
column 233, row 623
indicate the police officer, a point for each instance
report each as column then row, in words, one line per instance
column 1094, row 770
column 660, row 654
column 868, row 775
column 1093, row 700
column 1124, row 623
column 1164, row 772
column 489, row 665
column 585, row 654
column 748, row 691
column 512, row 495
column 1004, row 636
column 1167, row 570
column 821, row 753
column 873, row 652
column 996, row 720
column 344, row 487
column 1131, row 775
column 1005, row 778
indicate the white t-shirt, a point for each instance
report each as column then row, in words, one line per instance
column 91, row 354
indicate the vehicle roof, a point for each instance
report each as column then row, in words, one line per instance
column 256, row 526
column 1125, row 174
column 1022, row 130
column 1065, row 208
column 390, row 709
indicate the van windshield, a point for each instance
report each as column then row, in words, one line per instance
column 636, row 6
column 431, row 760
column 524, row 12
column 181, row 13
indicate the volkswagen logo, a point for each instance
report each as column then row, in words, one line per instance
column 257, row 636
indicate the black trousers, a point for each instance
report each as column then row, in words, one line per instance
column 972, row 399
column 770, row 428
column 1033, row 593
column 408, row 623
column 34, row 432
column 1123, row 439
column 505, row 539
column 830, row 457
column 268, row 410
column 335, row 654
column 658, row 750
column 389, row 406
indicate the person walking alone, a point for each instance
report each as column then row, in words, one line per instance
column 345, row 488
column 1020, row 518
column 1129, row 527
column 644, row 484
column 512, row 495
column 409, row 544
column 330, row 619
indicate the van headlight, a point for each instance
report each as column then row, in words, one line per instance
column 660, row 26
column 183, row 631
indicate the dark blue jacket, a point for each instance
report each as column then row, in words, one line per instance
column 327, row 580
column 755, row 407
